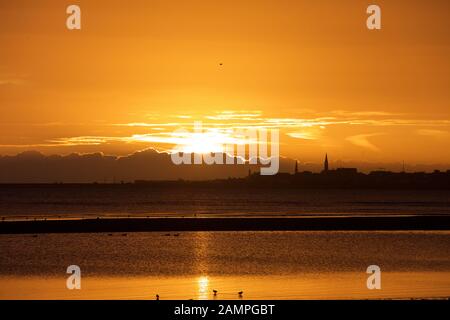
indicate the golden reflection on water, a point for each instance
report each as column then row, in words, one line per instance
column 346, row 285
column 209, row 266
column 201, row 242
column 203, row 288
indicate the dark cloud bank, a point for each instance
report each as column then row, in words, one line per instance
column 34, row 167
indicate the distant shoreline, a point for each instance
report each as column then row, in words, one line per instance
column 396, row 223
column 340, row 179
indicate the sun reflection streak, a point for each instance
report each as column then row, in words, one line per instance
column 203, row 287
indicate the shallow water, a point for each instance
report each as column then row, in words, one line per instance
column 63, row 201
column 276, row 265
column 342, row 285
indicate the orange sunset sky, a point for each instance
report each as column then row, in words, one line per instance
column 138, row 70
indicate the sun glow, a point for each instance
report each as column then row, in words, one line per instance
column 203, row 143
column 210, row 140
column 206, row 140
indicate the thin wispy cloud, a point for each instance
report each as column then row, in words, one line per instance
column 302, row 135
column 233, row 115
column 433, row 133
column 86, row 140
column 182, row 116
column 363, row 113
column 147, row 124
column 362, row 140
column 256, row 119
column 211, row 139
column 11, row 81
column 399, row 122
column 217, row 128
column 7, row 78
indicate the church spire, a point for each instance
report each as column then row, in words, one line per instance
column 296, row 167
column 325, row 164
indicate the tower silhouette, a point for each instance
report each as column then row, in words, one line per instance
column 296, row 167
column 325, row 164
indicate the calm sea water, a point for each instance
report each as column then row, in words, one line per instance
column 276, row 265
column 117, row 200
column 265, row 265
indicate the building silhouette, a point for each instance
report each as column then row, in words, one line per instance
column 325, row 164
column 337, row 178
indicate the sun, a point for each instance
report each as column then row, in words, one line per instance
column 202, row 143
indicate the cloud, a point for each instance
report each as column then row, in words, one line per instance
column 146, row 124
column 236, row 115
column 302, row 135
column 11, row 81
column 399, row 122
column 182, row 116
column 217, row 128
column 433, row 133
column 198, row 139
column 256, row 119
column 361, row 140
column 149, row 164
column 85, row 141
column 309, row 133
column 363, row 113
